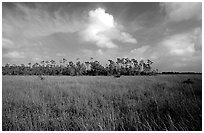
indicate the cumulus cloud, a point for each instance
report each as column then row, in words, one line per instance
column 178, row 11
column 184, row 44
column 181, row 51
column 178, row 52
column 102, row 30
column 125, row 37
column 179, row 44
column 142, row 52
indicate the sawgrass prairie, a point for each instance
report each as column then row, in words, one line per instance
column 102, row 103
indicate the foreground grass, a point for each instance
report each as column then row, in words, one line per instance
column 102, row 103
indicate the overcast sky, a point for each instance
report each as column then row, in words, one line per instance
column 169, row 34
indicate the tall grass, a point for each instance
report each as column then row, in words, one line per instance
column 102, row 103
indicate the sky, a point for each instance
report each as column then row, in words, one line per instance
column 169, row 34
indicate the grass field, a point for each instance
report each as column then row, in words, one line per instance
column 160, row 102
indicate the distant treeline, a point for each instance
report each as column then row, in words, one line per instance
column 122, row 66
column 180, row 73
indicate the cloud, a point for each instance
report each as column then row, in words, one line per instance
column 101, row 55
column 178, row 52
column 14, row 54
column 142, row 52
column 36, row 22
column 89, row 53
column 100, row 17
column 178, row 11
column 100, row 52
column 102, row 30
column 184, row 44
column 60, row 54
column 175, row 52
column 197, row 36
column 7, row 43
column 36, row 59
column 179, row 44
column 125, row 37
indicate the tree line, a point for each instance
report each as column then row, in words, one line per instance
column 181, row 73
column 122, row 66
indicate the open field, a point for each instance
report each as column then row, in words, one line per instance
column 160, row 102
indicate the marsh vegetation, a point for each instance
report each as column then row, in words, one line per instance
column 163, row 102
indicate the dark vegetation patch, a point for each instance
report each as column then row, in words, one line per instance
column 188, row 81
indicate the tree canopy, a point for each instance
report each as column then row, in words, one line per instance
column 122, row 66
